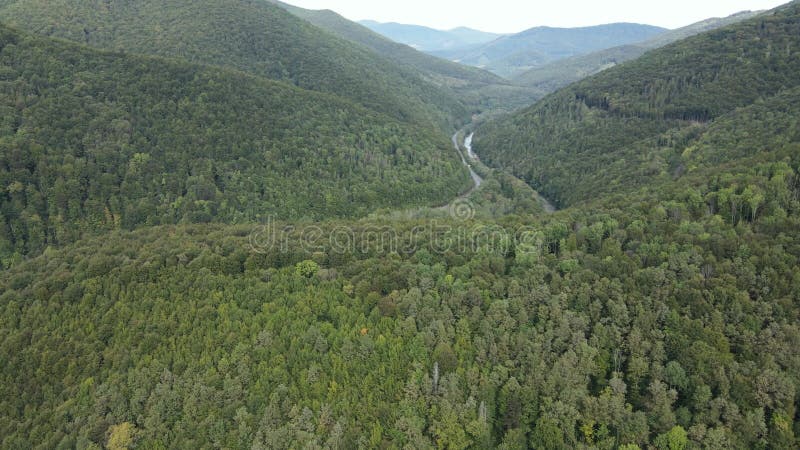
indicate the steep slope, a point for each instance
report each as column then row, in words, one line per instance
column 428, row 39
column 253, row 36
column 92, row 141
column 558, row 74
column 608, row 133
column 511, row 55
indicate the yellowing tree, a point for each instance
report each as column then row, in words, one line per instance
column 120, row 437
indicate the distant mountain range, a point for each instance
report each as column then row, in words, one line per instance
column 429, row 39
column 511, row 55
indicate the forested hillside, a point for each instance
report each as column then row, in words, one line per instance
column 257, row 37
column 93, row 141
column 635, row 121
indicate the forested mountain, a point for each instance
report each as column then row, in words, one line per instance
column 636, row 119
column 93, row 141
column 428, row 39
column 657, row 310
column 556, row 75
column 257, row 37
column 511, row 55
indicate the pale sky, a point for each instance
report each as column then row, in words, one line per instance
column 511, row 16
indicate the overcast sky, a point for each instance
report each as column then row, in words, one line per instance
column 507, row 16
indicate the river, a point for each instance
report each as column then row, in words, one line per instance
column 468, row 144
column 548, row 207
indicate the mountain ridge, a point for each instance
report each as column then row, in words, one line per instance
column 563, row 72
column 266, row 41
column 430, row 39
column 509, row 55
column 352, row 31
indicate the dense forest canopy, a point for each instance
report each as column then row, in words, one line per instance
column 145, row 304
column 651, row 321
